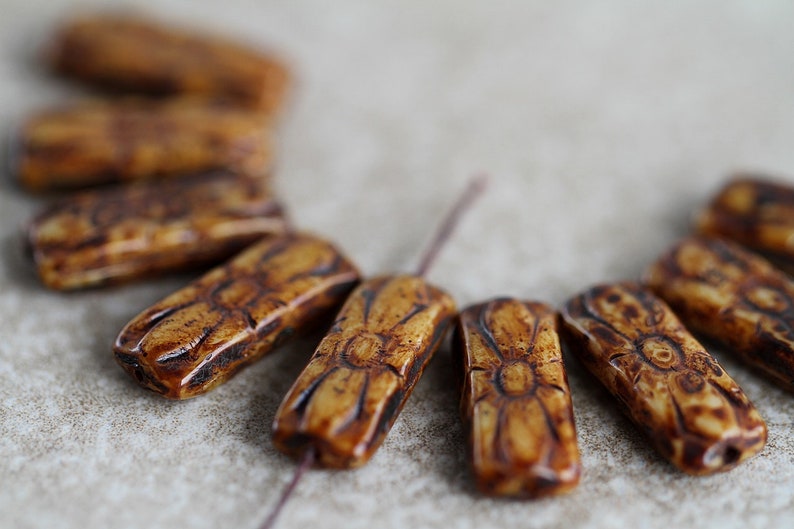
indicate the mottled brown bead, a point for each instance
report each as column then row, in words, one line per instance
column 756, row 213
column 362, row 373
column 691, row 410
column 734, row 297
column 515, row 400
column 105, row 142
column 131, row 53
column 117, row 234
column 198, row 337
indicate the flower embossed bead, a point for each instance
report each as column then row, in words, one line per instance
column 117, row 234
column 128, row 140
column 362, row 373
column 515, row 400
column 733, row 297
column 755, row 212
column 134, row 54
column 201, row 335
column 677, row 394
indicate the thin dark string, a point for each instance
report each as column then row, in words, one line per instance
column 305, row 464
column 473, row 190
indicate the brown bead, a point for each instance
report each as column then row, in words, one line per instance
column 117, row 234
column 733, row 297
column 135, row 54
column 349, row 395
column 756, row 213
column 97, row 143
column 515, row 400
column 669, row 385
column 198, row 337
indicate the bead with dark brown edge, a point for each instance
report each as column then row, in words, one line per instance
column 756, row 212
column 134, row 54
column 360, row 376
column 200, row 336
column 676, row 393
column 515, row 400
column 93, row 143
column 734, row 297
column 118, row 234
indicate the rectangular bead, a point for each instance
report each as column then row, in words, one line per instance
column 117, row 234
column 733, row 297
column 105, row 142
column 516, row 403
column 362, row 373
column 756, row 213
column 198, row 337
column 676, row 393
column 135, row 54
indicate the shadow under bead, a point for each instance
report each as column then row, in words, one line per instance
column 134, row 54
column 515, row 399
column 118, row 234
column 733, row 297
column 200, row 336
column 127, row 140
column 676, row 393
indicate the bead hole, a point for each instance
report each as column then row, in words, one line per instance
column 731, row 455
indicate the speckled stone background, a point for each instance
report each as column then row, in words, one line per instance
column 604, row 126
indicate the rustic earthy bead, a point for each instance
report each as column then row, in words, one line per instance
column 347, row 398
column 515, row 400
column 97, row 143
column 756, row 213
column 669, row 385
column 134, row 54
column 734, row 297
column 117, row 234
column 198, row 337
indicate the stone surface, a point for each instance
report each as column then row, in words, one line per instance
column 604, row 125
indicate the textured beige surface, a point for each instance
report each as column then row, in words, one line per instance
column 604, row 125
